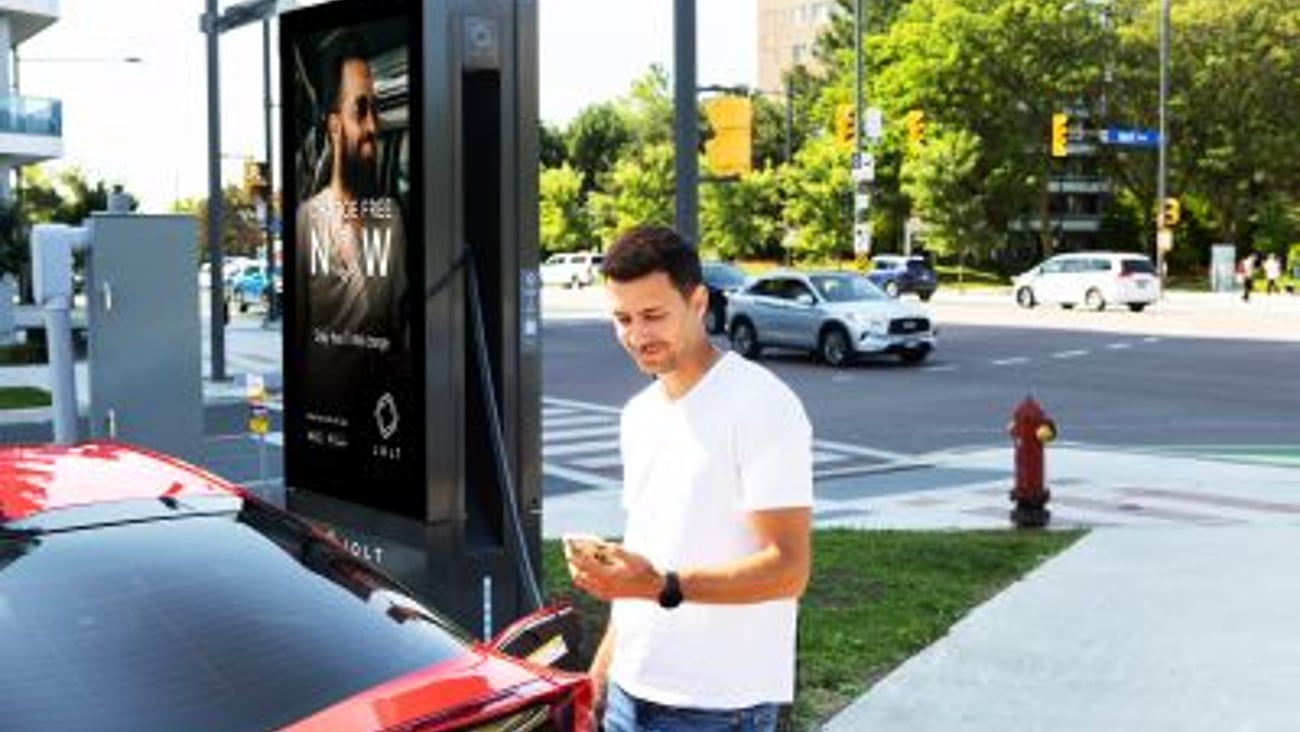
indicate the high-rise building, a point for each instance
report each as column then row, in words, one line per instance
column 787, row 30
column 31, row 128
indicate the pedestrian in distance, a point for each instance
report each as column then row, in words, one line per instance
column 717, row 490
column 1272, row 273
column 1246, row 275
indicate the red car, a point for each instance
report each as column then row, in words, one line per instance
column 141, row 593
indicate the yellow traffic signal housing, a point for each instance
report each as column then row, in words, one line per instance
column 915, row 127
column 730, row 151
column 845, row 123
column 1060, row 135
column 1172, row 213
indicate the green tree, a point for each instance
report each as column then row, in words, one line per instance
column 597, row 138
column 565, row 222
column 1234, row 109
column 741, row 218
column 640, row 191
column 552, row 149
column 818, row 201
column 241, row 233
column 939, row 180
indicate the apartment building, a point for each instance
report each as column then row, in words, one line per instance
column 31, row 128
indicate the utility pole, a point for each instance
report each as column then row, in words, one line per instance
column 858, row 73
column 686, row 133
column 272, row 300
column 1162, row 171
column 216, row 282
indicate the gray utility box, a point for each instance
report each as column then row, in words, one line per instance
column 145, row 363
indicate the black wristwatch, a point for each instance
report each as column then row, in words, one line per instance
column 671, row 594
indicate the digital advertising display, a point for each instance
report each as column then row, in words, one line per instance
column 353, row 253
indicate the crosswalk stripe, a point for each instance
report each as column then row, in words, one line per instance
column 578, row 448
column 575, row 421
column 580, row 476
column 600, row 463
column 857, row 450
column 549, row 436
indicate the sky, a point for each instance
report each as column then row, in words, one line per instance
column 145, row 124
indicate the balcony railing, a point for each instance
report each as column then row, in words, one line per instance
column 31, row 115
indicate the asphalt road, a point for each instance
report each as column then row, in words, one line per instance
column 1101, row 388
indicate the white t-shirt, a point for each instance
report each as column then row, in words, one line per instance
column 737, row 442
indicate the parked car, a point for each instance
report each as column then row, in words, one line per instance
column 836, row 315
column 141, row 593
column 572, row 269
column 721, row 280
column 1093, row 279
column 249, row 286
column 897, row 275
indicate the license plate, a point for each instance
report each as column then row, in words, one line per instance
column 911, row 343
column 1142, row 284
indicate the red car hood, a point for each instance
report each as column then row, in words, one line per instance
column 449, row 696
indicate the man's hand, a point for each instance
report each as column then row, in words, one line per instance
column 607, row 571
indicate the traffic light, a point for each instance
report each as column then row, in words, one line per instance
column 730, row 150
column 1171, row 214
column 915, row 127
column 257, row 178
column 845, row 122
column 1060, row 134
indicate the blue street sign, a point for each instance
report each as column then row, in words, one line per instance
column 1131, row 138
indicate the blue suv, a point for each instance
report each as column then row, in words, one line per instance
column 897, row 274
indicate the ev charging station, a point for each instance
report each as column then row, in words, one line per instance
column 412, row 313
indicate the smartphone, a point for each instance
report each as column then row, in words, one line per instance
column 587, row 545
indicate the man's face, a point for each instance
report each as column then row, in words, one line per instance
column 656, row 323
column 355, row 128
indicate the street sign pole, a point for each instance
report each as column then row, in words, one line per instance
column 1163, row 142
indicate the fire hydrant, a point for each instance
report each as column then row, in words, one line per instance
column 1030, row 429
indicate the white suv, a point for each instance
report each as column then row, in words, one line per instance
column 1093, row 279
column 572, row 269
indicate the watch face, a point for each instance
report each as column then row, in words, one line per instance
column 671, row 594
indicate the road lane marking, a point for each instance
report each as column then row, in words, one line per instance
column 1016, row 361
column 1150, row 339
column 947, row 367
column 1069, row 354
column 1118, row 346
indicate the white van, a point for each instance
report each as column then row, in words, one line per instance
column 1092, row 279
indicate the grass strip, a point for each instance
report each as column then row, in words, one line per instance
column 876, row 598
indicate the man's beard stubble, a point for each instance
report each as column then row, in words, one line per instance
column 360, row 176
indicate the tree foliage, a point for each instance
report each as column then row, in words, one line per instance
column 565, row 222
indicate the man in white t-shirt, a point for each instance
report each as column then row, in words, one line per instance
column 717, row 464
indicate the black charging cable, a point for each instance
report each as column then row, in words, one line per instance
column 506, row 484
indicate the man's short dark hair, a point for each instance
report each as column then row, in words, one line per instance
column 342, row 47
column 644, row 250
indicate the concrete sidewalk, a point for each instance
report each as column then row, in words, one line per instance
column 1177, row 612
column 1184, row 629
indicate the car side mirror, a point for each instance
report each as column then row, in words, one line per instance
column 805, row 299
column 551, row 636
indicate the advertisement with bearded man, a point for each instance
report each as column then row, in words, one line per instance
column 352, row 409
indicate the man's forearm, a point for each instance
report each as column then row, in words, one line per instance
column 773, row 573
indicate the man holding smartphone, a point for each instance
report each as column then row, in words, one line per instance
column 717, row 461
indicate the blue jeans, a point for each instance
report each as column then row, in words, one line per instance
column 624, row 713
